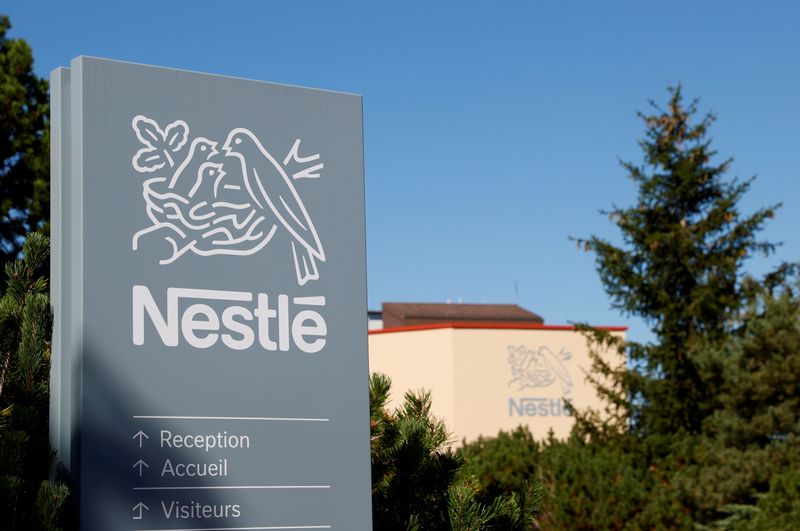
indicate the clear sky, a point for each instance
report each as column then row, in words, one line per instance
column 493, row 130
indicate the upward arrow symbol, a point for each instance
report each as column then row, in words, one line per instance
column 138, row 507
column 141, row 435
column 141, row 464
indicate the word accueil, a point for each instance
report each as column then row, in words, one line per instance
column 238, row 326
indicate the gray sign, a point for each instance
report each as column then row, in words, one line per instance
column 210, row 276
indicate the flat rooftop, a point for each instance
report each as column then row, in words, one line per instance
column 398, row 314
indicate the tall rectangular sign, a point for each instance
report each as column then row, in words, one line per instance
column 213, row 365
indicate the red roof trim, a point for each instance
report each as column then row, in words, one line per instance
column 490, row 326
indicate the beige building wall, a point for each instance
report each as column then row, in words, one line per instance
column 417, row 360
column 488, row 379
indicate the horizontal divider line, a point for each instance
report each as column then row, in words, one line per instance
column 210, row 487
column 242, row 528
column 179, row 417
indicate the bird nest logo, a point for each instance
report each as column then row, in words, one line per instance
column 207, row 203
column 538, row 368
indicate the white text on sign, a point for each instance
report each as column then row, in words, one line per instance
column 201, row 326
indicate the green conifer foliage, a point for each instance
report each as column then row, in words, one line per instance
column 751, row 448
column 412, row 465
column 27, row 500
column 779, row 508
column 679, row 268
column 417, row 478
column 24, row 145
column 502, row 464
column 759, row 400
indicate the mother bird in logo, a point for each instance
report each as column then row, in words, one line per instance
column 270, row 186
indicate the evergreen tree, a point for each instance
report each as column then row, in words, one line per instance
column 24, row 145
column 503, row 472
column 412, row 465
column 417, row 479
column 679, row 267
column 502, row 464
column 779, row 508
column 27, row 500
column 700, row 428
column 759, row 399
column 754, row 450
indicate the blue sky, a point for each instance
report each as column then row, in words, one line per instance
column 493, row 130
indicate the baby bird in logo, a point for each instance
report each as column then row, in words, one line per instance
column 271, row 189
column 208, row 172
column 200, row 151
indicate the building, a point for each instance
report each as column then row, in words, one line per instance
column 489, row 367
